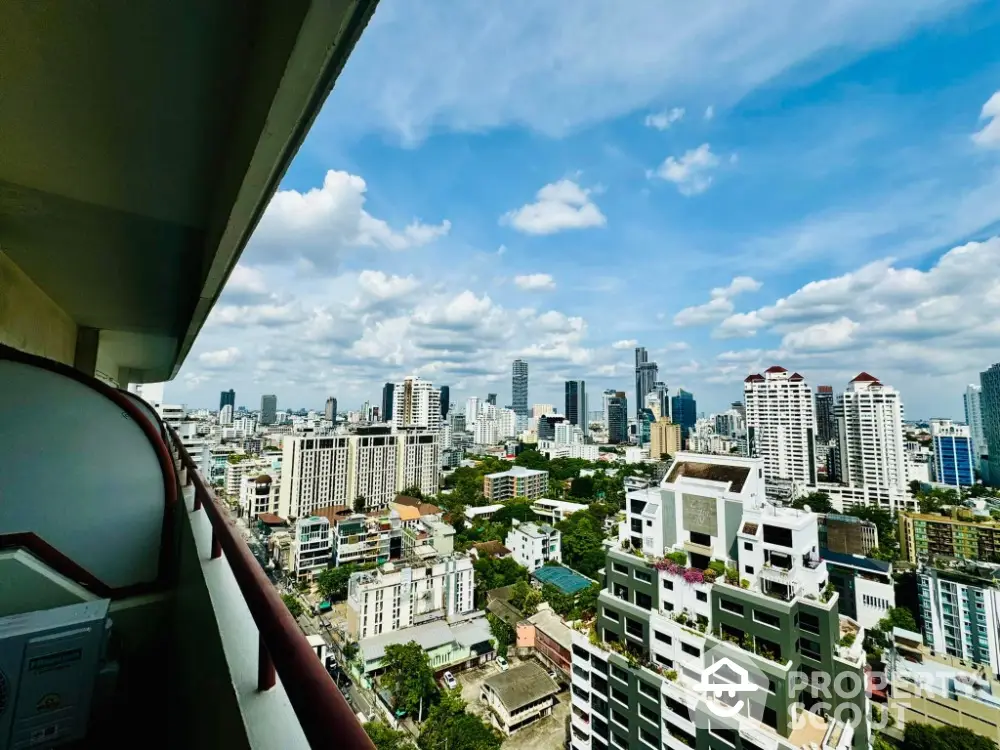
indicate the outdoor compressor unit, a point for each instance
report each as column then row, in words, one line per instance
column 49, row 661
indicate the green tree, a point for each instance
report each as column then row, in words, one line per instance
column 449, row 726
column 332, row 582
column 531, row 459
column 385, row 737
column 885, row 524
column 582, row 487
column 359, row 504
column 414, row 491
column 583, row 540
column 919, row 736
column 408, row 677
column 562, row 604
column 494, row 573
column 524, row 598
column 294, row 605
column 350, row 650
column 897, row 617
column 502, row 632
column 818, row 502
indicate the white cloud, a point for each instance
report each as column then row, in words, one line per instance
column 220, row 358
column 663, row 120
column 323, row 223
column 377, row 286
column 501, row 250
column 709, row 112
column 561, row 65
column 535, row 282
column 625, row 344
column 246, row 282
column 719, row 306
column 691, row 173
column 561, row 205
column 837, row 334
column 989, row 136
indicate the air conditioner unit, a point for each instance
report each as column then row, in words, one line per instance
column 49, row 661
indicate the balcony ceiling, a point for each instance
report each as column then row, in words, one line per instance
column 142, row 140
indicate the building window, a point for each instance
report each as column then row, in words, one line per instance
column 663, row 637
column 619, row 696
column 668, row 585
column 766, row 618
column 619, row 674
column 777, row 535
column 648, row 690
column 701, row 596
column 748, row 546
column 611, row 615
column 619, row 718
column 643, row 576
column 619, row 568
column 643, row 600
column 731, row 606
column 687, row 648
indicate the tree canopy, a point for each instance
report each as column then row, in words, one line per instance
column 583, row 539
column 492, row 573
column 918, row 736
column 408, row 677
column 449, row 726
column 385, row 737
column 294, row 605
column 818, row 502
column 524, row 598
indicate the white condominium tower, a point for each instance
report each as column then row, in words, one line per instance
column 870, row 422
column 373, row 463
column 781, row 424
column 972, row 399
column 416, row 403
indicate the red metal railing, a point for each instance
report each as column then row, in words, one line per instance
column 323, row 714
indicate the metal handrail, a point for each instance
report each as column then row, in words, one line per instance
column 322, row 711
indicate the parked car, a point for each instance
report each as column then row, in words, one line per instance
column 450, row 681
column 502, row 663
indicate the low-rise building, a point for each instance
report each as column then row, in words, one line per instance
column 482, row 512
column 313, row 545
column 553, row 511
column 847, row 535
column 463, row 643
column 553, row 638
column 519, row 696
column 492, row 549
column 533, row 545
column 866, row 587
column 398, row 596
column 923, row 536
column 517, row 481
column 258, row 494
column 358, row 538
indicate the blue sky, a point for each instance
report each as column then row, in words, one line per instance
column 730, row 184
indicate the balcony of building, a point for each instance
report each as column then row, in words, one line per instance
column 132, row 178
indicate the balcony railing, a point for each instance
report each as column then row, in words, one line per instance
column 322, row 711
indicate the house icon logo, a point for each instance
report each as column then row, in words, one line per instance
column 731, row 688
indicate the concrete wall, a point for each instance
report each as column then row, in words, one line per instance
column 30, row 320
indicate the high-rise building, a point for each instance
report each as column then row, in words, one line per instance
column 645, row 377
column 576, row 403
column 658, row 400
column 491, row 399
column 416, row 403
column 826, row 418
column 373, row 463
column 227, row 398
column 617, row 409
column 780, row 423
column 954, row 459
column 664, row 438
column 684, row 411
column 471, row 411
column 959, row 613
column 445, row 401
column 771, row 616
column 330, row 413
column 388, row 401
column 972, row 401
column 989, row 382
column 519, row 388
column 872, row 448
column 741, row 408
column 226, row 415
column 268, row 409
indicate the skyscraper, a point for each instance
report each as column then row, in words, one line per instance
column 387, row 401
column 826, row 418
column 416, row 403
column 645, row 377
column 617, row 418
column 519, row 388
column 989, row 381
column 972, row 400
column 781, row 423
column 576, row 403
column 662, row 399
column 445, row 401
column 331, row 409
column 684, row 411
column 227, row 398
column 268, row 409
column 491, row 399
column 954, row 462
column 870, row 422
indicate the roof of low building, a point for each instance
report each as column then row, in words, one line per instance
column 491, row 548
column 429, row 635
column 548, row 622
column 333, row 512
column 856, row 561
column 521, row 685
column 407, row 512
column 714, row 472
column 270, row 519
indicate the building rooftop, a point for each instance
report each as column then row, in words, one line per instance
column 516, row 471
column 534, row 530
column 560, row 504
column 333, row 513
column 521, row 685
column 490, row 549
column 553, row 626
column 429, row 636
column 565, row 579
column 856, row 561
column 270, row 519
column 736, row 476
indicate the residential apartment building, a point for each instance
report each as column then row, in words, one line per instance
column 780, row 425
column 871, row 443
column 684, row 411
column 989, row 381
column 554, row 511
column 415, row 403
column 517, row 481
column 664, row 438
column 361, row 538
column 954, row 457
column 330, row 410
column 553, row 449
column 312, row 550
column 372, row 463
column 532, row 545
column 617, row 417
column 960, row 612
column 923, row 536
column 268, row 409
column 259, row 494
column 394, row 596
column 847, row 535
column 637, row 681
column 972, row 401
column 866, row 587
